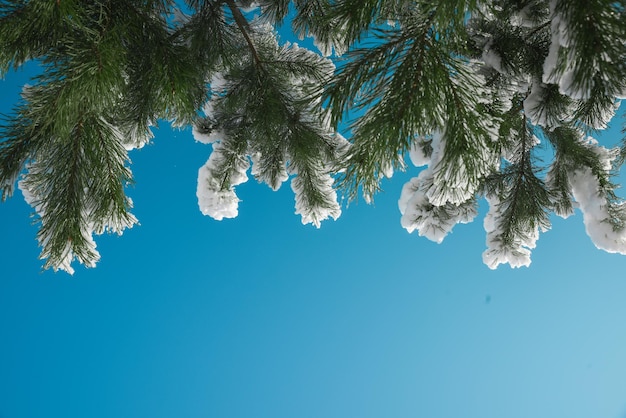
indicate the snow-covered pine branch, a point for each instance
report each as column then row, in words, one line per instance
column 498, row 99
column 270, row 102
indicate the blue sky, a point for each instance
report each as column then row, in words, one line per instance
column 263, row 317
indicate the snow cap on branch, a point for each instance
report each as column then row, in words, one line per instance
column 216, row 182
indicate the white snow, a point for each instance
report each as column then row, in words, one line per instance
column 550, row 63
column 342, row 144
column 432, row 218
column 257, row 160
column 214, row 135
column 212, row 199
column 134, row 139
column 561, row 63
column 517, row 255
column 417, row 155
column 249, row 6
column 523, row 17
column 218, row 85
column 491, row 58
column 431, row 222
column 550, row 74
column 386, row 170
column 452, row 182
column 408, row 190
column 313, row 214
column 218, row 204
column 534, row 109
column 594, row 206
column 210, row 138
column 336, row 45
column 602, row 122
column 568, row 88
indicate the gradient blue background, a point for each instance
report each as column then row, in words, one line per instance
column 262, row 317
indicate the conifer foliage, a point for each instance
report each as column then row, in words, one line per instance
column 475, row 91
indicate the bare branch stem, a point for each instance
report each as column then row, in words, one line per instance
column 243, row 26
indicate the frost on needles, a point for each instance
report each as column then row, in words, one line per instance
column 497, row 100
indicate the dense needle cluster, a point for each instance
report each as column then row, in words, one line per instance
column 498, row 99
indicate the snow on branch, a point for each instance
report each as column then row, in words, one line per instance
column 505, row 248
column 316, row 200
column 465, row 88
column 597, row 213
column 72, row 207
column 225, row 169
column 432, row 218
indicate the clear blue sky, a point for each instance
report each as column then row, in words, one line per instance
column 262, row 317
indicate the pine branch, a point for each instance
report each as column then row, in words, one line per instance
column 527, row 198
column 475, row 80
